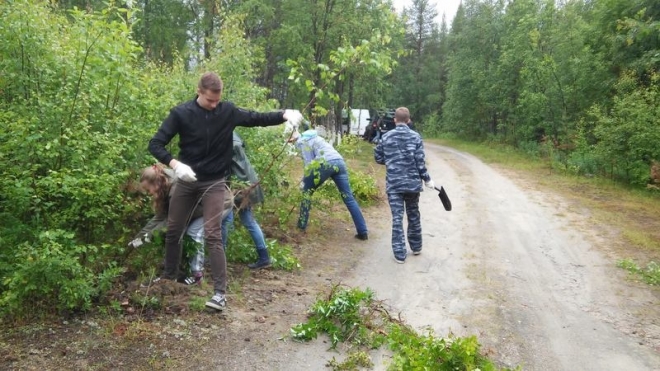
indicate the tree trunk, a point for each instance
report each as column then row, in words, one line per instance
column 210, row 14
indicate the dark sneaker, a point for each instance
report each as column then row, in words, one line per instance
column 196, row 279
column 217, row 302
column 417, row 252
column 362, row 236
column 260, row 264
column 400, row 261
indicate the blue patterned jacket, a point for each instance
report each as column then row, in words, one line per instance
column 313, row 147
column 402, row 152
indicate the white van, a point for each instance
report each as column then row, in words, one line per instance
column 359, row 121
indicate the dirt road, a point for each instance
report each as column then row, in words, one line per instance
column 519, row 269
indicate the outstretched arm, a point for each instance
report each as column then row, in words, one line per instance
column 252, row 118
column 159, row 221
column 248, row 118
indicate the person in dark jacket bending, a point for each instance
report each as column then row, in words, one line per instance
column 204, row 126
column 243, row 172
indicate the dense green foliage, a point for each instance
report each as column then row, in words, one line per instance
column 354, row 316
column 576, row 81
column 81, row 93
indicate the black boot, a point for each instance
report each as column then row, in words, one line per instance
column 263, row 262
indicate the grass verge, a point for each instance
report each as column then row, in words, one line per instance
column 631, row 215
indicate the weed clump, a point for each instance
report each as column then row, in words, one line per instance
column 355, row 317
column 649, row 275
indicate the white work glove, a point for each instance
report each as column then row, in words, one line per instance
column 430, row 184
column 139, row 241
column 135, row 243
column 293, row 118
column 184, row 172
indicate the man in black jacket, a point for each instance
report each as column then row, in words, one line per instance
column 205, row 126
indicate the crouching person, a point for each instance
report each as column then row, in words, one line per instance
column 160, row 182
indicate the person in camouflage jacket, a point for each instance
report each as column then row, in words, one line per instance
column 402, row 152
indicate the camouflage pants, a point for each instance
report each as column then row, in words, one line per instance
column 410, row 203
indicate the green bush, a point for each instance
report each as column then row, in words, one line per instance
column 240, row 249
column 350, row 145
column 627, row 134
column 78, row 108
column 54, row 273
column 363, row 186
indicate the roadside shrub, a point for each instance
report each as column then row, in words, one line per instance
column 532, row 149
column 350, row 145
column 240, row 249
column 78, row 108
column 627, row 134
column 363, row 186
column 55, row 272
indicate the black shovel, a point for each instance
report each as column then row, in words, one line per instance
column 444, row 198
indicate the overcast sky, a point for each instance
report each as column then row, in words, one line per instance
column 448, row 7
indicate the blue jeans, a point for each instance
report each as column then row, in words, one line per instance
column 248, row 221
column 376, row 137
column 335, row 169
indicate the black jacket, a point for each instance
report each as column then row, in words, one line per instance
column 205, row 137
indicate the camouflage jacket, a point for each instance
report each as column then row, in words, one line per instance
column 402, row 152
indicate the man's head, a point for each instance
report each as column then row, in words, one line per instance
column 209, row 90
column 401, row 115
